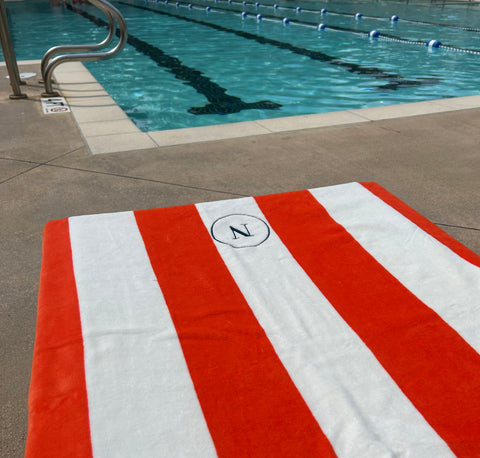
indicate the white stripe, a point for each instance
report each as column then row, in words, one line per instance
column 141, row 399
column 441, row 279
column 356, row 403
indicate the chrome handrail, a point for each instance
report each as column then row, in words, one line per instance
column 87, row 57
column 80, row 48
column 9, row 55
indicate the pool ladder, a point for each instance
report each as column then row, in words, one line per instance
column 83, row 53
column 9, row 55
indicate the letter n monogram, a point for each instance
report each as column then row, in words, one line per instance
column 236, row 231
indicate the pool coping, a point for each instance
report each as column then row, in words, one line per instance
column 106, row 128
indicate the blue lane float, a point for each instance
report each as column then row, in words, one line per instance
column 259, row 17
column 319, row 26
column 393, row 18
column 244, row 14
column 374, row 34
column 433, row 44
column 298, row 9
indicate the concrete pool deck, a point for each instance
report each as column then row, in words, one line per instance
column 429, row 159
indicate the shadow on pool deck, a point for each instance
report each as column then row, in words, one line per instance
column 431, row 162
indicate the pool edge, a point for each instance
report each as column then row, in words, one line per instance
column 106, row 128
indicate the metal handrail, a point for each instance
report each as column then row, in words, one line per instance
column 9, row 55
column 81, row 48
column 88, row 57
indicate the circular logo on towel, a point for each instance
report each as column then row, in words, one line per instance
column 240, row 231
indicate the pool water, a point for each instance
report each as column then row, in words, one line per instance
column 188, row 67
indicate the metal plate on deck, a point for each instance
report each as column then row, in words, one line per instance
column 55, row 105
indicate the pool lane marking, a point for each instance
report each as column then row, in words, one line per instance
column 383, row 36
column 220, row 101
column 395, row 81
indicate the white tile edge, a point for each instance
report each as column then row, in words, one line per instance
column 22, row 62
column 190, row 135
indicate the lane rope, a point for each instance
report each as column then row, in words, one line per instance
column 317, row 26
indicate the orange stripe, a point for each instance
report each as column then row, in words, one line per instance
column 423, row 223
column 58, row 424
column 250, row 404
column 430, row 362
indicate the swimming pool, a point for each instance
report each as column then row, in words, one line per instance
column 206, row 64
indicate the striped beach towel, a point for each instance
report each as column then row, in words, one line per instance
column 332, row 322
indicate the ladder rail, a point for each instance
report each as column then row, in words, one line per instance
column 80, row 48
column 88, row 56
column 9, row 55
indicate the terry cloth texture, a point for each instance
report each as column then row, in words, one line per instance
column 330, row 322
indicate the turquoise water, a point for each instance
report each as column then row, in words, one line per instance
column 193, row 67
